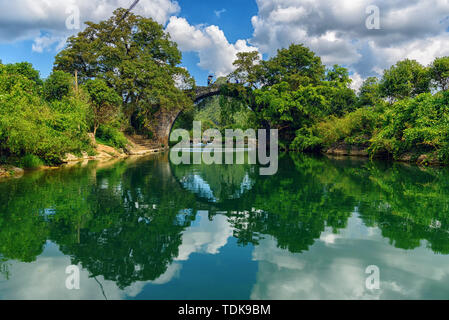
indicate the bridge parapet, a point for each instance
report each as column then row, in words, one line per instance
column 205, row 92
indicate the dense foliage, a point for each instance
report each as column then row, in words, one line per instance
column 44, row 120
column 129, row 78
column 414, row 127
column 136, row 58
column 127, row 73
column 314, row 109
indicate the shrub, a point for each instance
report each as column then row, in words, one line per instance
column 31, row 126
column 355, row 128
column 30, row 161
column 419, row 125
column 57, row 86
column 111, row 136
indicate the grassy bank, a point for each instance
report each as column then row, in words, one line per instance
column 41, row 121
column 412, row 130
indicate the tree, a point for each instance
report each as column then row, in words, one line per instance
column 136, row 57
column 439, row 71
column 336, row 88
column 406, row 79
column 31, row 126
column 25, row 69
column 248, row 69
column 297, row 65
column 57, row 86
column 105, row 102
column 369, row 94
column 338, row 76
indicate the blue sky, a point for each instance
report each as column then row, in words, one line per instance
column 211, row 33
column 232, row 16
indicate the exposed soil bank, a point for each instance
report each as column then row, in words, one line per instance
column 7, row 171
column 103, row 154
column 353, row 151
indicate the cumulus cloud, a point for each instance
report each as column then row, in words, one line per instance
column 215, row 52
column 205, row 236
column 45, row 279
column 357, row 81
column 334, row 268
column 337, row 31
column 45, row 42
column 28, row 19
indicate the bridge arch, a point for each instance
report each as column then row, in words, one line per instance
column 168, row 119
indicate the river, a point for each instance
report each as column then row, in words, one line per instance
column 146, row 229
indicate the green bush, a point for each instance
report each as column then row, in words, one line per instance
column 111, row 136
column 412, row 126
column 30, row 162
column 57, row 86
column 29, row 125
column 419, row 125
column 355, row 128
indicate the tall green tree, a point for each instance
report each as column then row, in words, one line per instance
column 248, row 69
column 439, row 71
column 105, row 103
column 136, row 57
column 369, row 94
column 296, row 65
column 406, row 79
column 57, row 85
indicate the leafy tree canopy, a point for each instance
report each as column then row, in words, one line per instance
column 407, row 78
column 105, row 102
column 136, row 57
column 297, row 65
column 369, row 94
column 439, row 71
column 58, row 85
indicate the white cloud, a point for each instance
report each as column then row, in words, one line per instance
column 334, row 268
column 357, row 81
column 218, row 13
column 45, row 279
column 215, row 52
column 46, row 42
column 337, row 31
column 189, row 38
column 28, row 19
column 205, row 236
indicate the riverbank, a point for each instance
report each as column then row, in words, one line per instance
column 106, row 154
column 8, row 171
column 103, row 153
column 412, row 158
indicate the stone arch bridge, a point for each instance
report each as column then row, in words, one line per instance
column 166, row 120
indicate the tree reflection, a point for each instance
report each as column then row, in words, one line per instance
column 126, row 222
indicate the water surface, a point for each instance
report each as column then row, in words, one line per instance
column 145, row 229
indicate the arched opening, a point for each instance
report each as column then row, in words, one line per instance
column 215, row 111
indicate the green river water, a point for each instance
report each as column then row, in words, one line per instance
column 146, row 229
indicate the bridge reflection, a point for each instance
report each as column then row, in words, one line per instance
column 129, row 222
